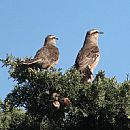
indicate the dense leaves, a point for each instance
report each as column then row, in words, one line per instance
column 56, row 101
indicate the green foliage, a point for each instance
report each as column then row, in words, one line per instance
column 10, row 120
column 103, row 104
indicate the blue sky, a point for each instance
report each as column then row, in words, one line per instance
column 25, row 23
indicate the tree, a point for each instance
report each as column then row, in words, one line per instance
column 53, row 100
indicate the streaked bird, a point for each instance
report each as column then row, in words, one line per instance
column 48, row 55
column 89, row 55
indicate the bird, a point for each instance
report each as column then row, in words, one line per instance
column 89, row 55
column 48, row 55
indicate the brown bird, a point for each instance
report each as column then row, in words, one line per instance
column 89, row 55
column 48, row 55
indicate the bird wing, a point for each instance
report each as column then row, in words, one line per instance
column 47, row 56
column 40, row 57
column 53, row 55
column 87, row 56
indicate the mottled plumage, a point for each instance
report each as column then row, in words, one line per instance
column 89, row 55
column 48, row 55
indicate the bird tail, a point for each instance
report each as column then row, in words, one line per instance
column 88, row 75
column 30, row 62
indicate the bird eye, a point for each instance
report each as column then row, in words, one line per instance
column 96, row 32
column 55, row 38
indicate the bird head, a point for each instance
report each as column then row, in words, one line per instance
column 51, row 39
column 93, row 33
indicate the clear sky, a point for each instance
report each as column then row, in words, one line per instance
column 25, row 23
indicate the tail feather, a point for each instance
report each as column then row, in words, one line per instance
column 32, row 61
column 88, row 75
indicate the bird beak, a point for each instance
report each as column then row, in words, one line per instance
column 101, row 32
column 56, row 38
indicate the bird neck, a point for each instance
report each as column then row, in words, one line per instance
column 92, row 40
column 50, row 43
